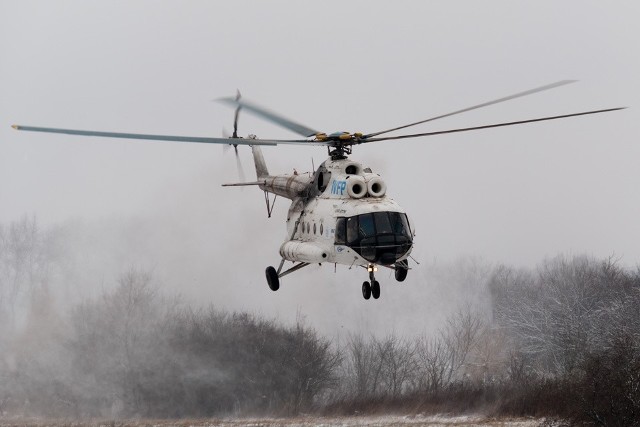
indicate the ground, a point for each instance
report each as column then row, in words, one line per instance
column 379, row 421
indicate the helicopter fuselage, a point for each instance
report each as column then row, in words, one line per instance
column 341, row 214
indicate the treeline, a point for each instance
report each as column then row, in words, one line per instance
column 559, row 341
column 134, row 353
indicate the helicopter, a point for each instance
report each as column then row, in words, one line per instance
column 340, row 213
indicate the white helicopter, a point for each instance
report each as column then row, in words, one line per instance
column 340, row 213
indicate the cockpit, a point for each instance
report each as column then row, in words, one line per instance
column 379, row 237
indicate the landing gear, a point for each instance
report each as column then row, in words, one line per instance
column 272, row 278
column 401, row 269
column 375, row 289
column 366, row 290
column 401, row 273
column 371, row 289
column 273, row 275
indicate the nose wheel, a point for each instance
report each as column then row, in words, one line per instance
column 366, row 290
column 371, row 289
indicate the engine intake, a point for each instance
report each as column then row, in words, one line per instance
column 376, row 186
column 356, row 187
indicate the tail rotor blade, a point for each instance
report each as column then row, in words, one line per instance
column 240, row 168
column 269, row 116
column 235, row 117
column 225, row 134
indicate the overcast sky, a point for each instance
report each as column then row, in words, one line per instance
column 514, row 195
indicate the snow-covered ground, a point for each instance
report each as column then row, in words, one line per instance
column 376, row 421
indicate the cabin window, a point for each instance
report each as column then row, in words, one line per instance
column 314, row 228
column 321, row 229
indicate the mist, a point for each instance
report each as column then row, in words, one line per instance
column 508, row 341
column 504, row 217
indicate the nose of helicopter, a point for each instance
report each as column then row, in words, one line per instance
column 384, row 249
column 379, row 237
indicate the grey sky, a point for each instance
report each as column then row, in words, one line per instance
column 513, row 195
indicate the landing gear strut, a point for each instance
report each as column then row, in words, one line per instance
column 371, row 289
column 273, row 275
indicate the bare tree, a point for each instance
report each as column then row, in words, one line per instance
column 444, row 357
column 434, row 361
column 398, row 364
column 117, row 345
column 564, row 310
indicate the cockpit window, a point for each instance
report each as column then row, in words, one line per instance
column 352, row 229
column 382, row 222
column 401, row 225
column 381, row 237
column 341, row 231
column 366, row 225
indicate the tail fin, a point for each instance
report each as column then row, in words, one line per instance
column 261, row 166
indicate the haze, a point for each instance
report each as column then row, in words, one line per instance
column 512, row 195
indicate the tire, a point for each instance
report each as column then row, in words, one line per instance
column 375, row 289
column 366, row 290
column 272, row 278
column 401, row 274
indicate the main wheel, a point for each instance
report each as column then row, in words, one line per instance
column 272, row 278
column 366, row 290
column 375, row 289
column 401, row 273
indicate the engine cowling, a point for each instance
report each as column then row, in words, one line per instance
column 356, row 187
column 375, row 185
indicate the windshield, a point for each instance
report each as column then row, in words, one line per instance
column 378, row 236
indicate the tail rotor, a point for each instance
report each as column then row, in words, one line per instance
column 234, row 135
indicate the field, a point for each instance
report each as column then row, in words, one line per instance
column 378, row 421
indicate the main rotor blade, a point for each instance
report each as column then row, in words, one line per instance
column 270, row 116
column 484, row 104
column 197, row 139
column 416, row 135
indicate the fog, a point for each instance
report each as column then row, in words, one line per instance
column 561, row 341
column 514, row 196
